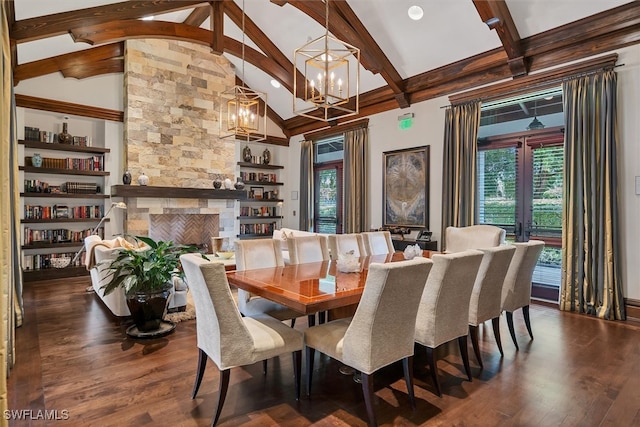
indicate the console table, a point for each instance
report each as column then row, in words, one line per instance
column 400, row 245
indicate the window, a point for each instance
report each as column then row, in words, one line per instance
column 328, row 166
column 519, row 182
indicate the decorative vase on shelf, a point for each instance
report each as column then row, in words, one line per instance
column 126, row 178
column 217, row 183
column 228, row 184
column 143, row 179
column 246, row 154
column 239, row 185
column 36, row 160
column 65, row 137
column 266, row 156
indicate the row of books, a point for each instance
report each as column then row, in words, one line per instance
column 258, row 211
column 258, row 176
column 59, row 235
column 262, row 228
column 93, row 163
column 59, row 211
column 43, row 261
column 35, row 134
column 81, row 188
column 37, row 186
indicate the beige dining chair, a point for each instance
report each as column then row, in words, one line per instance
column 228, row 339
column 344, row 243
column 486, row 297
column 458, row 239
column 382, row 329
column 516, row 291
column 306, row 249
column 443, row 313
column 377, row 242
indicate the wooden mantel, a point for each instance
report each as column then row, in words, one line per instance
column 175, row 192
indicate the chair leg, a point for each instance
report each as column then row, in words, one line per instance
column 202, row 363
column 309, row 354
column 367, row 390
column 431, row 357
column 222, row 394
column 495, row 322
column 464, row 352
column 473, row 331
column 293, row 322
column 264, row 367
column 407, row 366
column 512, row 331
column 297, row 370
column 527, row 319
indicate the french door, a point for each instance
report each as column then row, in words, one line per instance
column 328, row 197
column 520, row 189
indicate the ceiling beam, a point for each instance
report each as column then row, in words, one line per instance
column 60, row 23
column 197, row 16
column 216, row 10
column 496, row 14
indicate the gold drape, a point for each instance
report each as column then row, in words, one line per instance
column 591, row 279
column 306, row 186
column 459, row 165
column 356, row 153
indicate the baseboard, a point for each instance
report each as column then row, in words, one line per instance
column 632, row 308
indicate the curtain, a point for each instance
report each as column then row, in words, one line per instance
column 459, row 166
column 356, row 204
column 591, row 279
column 306, row 186
column 10, row 272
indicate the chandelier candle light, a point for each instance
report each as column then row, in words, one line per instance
column 327, row 77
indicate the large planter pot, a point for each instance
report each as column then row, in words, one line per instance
column 148, row 308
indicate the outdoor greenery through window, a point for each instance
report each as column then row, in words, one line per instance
column 328, row 165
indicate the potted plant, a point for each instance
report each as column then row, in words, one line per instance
column 146, row 274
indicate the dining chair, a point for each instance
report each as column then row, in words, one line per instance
column 377, row 242
column 443, row 313
column 486, row 295
column 343, row 243
column 306, row 249
column 516, row 290
column 458, row 239
column 228, row 339
column 382, row 329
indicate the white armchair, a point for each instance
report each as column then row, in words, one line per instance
column 458, row 239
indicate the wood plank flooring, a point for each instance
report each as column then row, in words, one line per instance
column 72, row 355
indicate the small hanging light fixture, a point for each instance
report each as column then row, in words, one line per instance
column 535, row 123
column 327, row 77
column 243, row 109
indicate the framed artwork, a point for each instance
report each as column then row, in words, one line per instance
column 257, row 192
column 405, row 188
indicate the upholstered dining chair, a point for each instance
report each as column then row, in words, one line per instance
column 486, row 297
column 225, row 337
column 343, row 243
column 382, row 329
column 516, row 290
column 377, row 242
column 458, row 239
column 443, row 313
column 306, row 249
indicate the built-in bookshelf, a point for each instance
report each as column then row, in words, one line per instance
column 261, row 211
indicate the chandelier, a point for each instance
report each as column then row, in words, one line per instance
column 327, row 92
column 243, row 118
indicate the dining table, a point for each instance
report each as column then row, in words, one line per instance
column 312, row 287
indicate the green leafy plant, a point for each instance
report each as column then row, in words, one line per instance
column 147, row 269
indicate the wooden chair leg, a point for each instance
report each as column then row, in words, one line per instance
column 473, row 331
column 264, row 367
column 464, row 352
column 367, row 390
column 407, row 366
column 293, row 322
column 495, row 322
column 309, row 355
column 512, row 331
column 202, row 363
column 222, row 394
column 431, row 357
column 527, row 319
column 297, row 370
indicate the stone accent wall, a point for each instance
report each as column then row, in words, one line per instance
column 171, row 127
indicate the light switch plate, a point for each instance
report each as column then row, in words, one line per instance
column 637, row 185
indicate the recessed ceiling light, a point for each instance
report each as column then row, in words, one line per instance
column 148, row 18
column 275, row 83
column 415, row 12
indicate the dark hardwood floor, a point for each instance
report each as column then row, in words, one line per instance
column 74, row 356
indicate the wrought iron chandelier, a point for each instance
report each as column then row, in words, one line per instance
column 242, row 104
column 328, row 77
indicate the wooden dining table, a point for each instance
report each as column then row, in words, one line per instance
column 312, row 287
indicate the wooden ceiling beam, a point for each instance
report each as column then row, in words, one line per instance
column 496, row 14
column 197, row 16
column 104, row 66
column 216, row 10
column 60, row 23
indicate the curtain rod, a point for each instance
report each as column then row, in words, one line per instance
column 538, row 85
